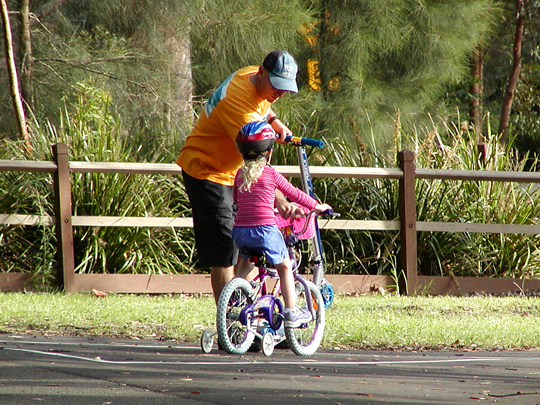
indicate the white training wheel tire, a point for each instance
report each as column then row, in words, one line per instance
column 207, row 341
column 267, row 344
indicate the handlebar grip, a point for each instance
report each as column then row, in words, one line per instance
column 304, row 141
column 331, row 213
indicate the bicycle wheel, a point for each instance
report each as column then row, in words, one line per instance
column 306, row 339
column 232, row 322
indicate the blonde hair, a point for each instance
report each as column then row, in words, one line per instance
column 251, row 171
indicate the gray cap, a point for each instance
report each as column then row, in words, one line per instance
column 282, row 69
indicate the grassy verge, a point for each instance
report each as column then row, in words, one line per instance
column 367, row 322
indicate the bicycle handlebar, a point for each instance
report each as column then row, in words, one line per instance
column 331, row 213
column 297, row 140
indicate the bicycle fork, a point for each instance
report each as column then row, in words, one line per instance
column 309, row 301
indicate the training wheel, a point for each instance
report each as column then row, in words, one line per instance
column 327, row 292
column 207, row 341
column 267, row 344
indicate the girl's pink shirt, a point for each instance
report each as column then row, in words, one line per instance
column 256, row 207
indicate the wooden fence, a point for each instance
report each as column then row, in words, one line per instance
column 63, row 220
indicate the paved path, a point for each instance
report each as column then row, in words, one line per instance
column 83, row 371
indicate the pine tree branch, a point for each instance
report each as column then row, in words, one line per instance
column 49, row 8
column 81, row 62
column 79, row 65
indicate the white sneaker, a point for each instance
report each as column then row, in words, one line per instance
column 296, row 317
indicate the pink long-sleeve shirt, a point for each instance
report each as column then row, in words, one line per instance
column 256, row 207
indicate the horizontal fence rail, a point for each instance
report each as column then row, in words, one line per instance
column 407, row 225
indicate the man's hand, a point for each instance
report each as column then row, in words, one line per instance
column 281, row 129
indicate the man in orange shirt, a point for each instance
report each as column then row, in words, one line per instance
column 210, row 159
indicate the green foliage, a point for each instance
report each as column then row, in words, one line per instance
column 94, row 133
column 384, row 66
column 227, row 37
column 27, row 248
column 389, row 57
column 153, row 56
column 131, row 49
column 525, row 118
column 475, row 254
column 439, row 253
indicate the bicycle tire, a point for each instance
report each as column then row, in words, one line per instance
column 305, row 340
column 233, row 335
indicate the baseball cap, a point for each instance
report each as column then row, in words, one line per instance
column 282, row 69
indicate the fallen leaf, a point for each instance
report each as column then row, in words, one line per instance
column 98, row 293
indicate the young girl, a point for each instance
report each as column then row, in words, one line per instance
column 255, row 224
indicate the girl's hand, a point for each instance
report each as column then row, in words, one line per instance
column 321, row 208
column 286, row 209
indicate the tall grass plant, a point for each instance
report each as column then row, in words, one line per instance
column 442, row 146
column 93, row 132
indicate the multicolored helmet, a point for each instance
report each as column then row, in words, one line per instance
column 254, row 139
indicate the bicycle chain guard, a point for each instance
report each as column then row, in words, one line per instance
column 268, row 307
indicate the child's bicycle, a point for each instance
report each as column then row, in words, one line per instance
column 246, row 310
column 304, row 340
column 316, row 262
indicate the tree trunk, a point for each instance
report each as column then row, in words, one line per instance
column 514, row 74
column 178, row 45
column 477, row 90
column 27, row 60
column 13, row 79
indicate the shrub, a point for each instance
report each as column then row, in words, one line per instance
column 93, row 133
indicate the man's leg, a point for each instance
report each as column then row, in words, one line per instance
column 213, row 220
column 219, row 276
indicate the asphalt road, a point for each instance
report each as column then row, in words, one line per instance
column 81, row 371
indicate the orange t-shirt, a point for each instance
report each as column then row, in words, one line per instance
column 210, row 151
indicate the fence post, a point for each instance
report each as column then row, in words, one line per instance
column 64, row 227
column 407, row 212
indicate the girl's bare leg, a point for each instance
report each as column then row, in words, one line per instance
column 244, row 268
column 287, row 283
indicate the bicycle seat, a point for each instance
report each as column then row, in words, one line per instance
column 254, row 255
column 260, row 260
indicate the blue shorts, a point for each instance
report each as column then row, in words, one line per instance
column 264, row 238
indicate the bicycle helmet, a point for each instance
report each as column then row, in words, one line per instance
column 255, row 139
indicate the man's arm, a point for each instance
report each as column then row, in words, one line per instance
column 281, row 129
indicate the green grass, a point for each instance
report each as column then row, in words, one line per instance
column 366, row 322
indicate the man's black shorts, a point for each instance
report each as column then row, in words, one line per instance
column 213, row 220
